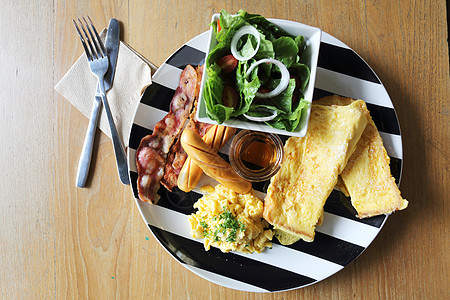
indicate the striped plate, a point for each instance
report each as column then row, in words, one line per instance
column 341, row 238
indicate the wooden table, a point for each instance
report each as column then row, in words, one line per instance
column 59, row 241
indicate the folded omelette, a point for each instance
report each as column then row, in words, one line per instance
column 367, row 176
column 297, row 193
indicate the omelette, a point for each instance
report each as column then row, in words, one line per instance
column 367, row 176
column 297, row 193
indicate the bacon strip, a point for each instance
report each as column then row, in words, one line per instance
column 177, row 156
column 152, row 151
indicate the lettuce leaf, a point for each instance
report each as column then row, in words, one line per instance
column 285, row 50
column 303, row 72
column 229, row 24
column 301, row 44
column 283, row 101
column 247, row 89
column 264, row 25
column 212, row 95
column 289, row 115
column 291, row 122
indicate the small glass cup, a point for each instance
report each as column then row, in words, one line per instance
column 256, row 156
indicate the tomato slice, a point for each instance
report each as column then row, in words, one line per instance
column 228, row 63
column 230, row 96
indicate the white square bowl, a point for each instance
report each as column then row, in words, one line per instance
column 312, row 37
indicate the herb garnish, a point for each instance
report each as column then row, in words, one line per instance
column 227, row 228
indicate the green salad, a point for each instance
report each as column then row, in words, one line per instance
column 255, row 72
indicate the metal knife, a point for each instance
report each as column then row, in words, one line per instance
column 112, row 49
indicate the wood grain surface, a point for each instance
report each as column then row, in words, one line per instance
column 59, row 241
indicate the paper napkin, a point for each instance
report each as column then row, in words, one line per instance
column 133, row 73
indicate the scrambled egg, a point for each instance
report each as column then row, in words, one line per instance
column 230, row 221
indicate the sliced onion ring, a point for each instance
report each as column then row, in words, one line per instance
column 263, row 119
column 247, row 29
column 284, row 82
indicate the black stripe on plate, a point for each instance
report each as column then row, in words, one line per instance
column 396, row 168
column 384, row 117
column 136, row 134
column 230, row 265
column 345, row 61
column 340, row 205
column 261, row 186
column 329, row 248
column 178, row 200
column 186, row 55
column 158, row 96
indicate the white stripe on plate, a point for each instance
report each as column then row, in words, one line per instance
column 393, row 144
column 279, row 256
column 200, row 42
column 225, row 281
column 352, row 87
column 147, row 116
column 166, row 219
column 348, row 230
column 168, row 76
column 296, row 262
column 131, row 159
column 332, row 40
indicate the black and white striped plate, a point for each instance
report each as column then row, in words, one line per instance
column 341, row 238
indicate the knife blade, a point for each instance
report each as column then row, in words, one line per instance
column 112, row 49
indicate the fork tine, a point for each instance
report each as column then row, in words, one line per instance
column 98, row 37
column 86, row 50
column 94, row 40
column 91, row 47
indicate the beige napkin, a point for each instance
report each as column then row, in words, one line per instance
column 132, row 75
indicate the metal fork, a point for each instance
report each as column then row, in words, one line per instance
column 99, row 64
